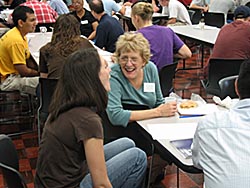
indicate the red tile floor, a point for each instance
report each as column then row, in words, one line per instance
column 185, row 83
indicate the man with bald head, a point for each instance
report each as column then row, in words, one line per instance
column 109, row 28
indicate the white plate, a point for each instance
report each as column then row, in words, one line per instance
column 201, row 109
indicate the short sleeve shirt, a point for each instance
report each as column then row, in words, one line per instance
column 43, row 11
column 61, row 159
column 14, row 50
column 86, row 22
column 111, row 5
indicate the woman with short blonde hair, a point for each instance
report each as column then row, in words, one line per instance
column 133, row 42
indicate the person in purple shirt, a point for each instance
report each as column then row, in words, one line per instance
column 165, row 45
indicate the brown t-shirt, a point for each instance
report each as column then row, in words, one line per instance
column 51, row 60
column 61, row 159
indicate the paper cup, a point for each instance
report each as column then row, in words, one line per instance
column 170, row 99
column 43, row 29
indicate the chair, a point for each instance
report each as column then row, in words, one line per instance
column 227, row 87
column 112, row 132
column 47, row 88
column 215, row 19
column 16, row 112
column 9, row 164
column 218, row 69
column 195, row 15
column 166, row 76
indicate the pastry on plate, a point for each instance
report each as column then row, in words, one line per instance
column 188, row 104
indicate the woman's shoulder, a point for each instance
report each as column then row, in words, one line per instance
column 151, row 69
column 115, row 69
column 87, row 12
column 150, row 65
column 46, row 48
column 82, row 113
column 116, row 73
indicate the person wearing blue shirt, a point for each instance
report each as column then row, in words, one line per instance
column 110, row 7
column 109, row 28
column 59, row 6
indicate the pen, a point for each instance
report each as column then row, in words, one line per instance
column 188, row 116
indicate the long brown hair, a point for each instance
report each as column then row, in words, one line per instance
column 79, row 84
column 66, row 36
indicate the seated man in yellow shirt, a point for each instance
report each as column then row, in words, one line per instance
column 15, row 75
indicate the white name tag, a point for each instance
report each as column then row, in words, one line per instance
column 149, row 87
column 83, row 22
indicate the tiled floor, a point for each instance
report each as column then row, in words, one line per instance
column 185, row 83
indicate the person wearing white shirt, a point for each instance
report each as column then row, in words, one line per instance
column 243, row 2
column 200, row 4
column 177, row 12
column 222, row 6
column 221, row 141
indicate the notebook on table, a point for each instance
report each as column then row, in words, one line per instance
column 183, row 146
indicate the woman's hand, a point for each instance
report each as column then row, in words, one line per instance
column 168, row 109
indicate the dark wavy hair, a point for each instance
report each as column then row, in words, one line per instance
column 79, row 84
column 66, row 36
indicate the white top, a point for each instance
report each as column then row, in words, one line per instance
column 38, row 40
column 146, row 124
column 177, row 10
column 173, row 128
column 207, row 35
column 242, row 2
column 221, row 147
column 201, row 3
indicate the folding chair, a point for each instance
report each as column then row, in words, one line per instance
column 16, row 112
column 47, row 88
column 195, row 15
column 215, row 19
column 218, row 69
column 9, row 164
column 166, row 76
column 227, row 87
column 112, row 132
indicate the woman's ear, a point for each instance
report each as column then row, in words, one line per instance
column 143, row 64
column 136, row 18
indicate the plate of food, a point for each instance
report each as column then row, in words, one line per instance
column 190, row 107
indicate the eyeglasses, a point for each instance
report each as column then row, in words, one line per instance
column 125, row 60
